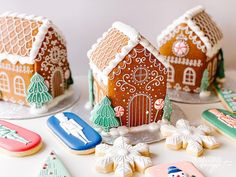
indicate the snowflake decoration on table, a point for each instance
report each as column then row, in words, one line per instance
column 191, row 138
column 122, row 158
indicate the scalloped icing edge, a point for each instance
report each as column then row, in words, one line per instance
column 186, row 19
column 135, row 39
column 42, row 31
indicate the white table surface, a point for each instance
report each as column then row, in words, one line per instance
column 220, row 162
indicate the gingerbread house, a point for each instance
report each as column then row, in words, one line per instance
column 191, row 44
column 29, row 45
column 130, row 72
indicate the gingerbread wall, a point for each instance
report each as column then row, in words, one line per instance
column 193, row 59
column 14, row 81
column 52, row 63
column 135, row 84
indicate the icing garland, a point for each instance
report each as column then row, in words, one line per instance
column 183, row 135
column 122, row 158
column 11, row 134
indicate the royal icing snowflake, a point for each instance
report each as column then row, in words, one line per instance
column 191, row 138
column 122, row 158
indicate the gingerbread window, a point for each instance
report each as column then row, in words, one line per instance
column 140, row 75
column 19, row 86
column 4, row 82
column 189, row 77
column 170, row 73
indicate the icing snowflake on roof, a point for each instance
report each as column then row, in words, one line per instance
column 202, row 25
column 122, row 157
column 183, row 135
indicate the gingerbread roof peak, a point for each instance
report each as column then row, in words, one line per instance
column 21, row 36
column 112, row 48
column 203, row 27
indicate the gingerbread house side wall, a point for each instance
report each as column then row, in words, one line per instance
column 51, row 62
column 14, row 81
column 136, row 84
column 186, row 54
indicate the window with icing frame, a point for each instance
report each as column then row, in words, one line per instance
column 4, row 82
column 170, row 73
column 19, row 86
column 189, row 77
column 140, row 75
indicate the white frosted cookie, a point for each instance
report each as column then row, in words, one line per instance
column 193, row 139
column 122, row 158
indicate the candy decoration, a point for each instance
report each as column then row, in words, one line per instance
column 38, row 91
column 158, row 105
column 180, row 48
column 104, row 115
column 119, row 112
column 53, row 167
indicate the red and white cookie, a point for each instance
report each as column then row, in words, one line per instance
column 18, row 141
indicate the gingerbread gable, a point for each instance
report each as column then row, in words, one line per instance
column 199, row 26
column 21, row 36
column 112, row 48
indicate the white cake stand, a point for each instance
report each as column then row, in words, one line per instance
column 11, row 111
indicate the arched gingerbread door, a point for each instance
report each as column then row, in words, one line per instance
column 57, row 83
column 139, row 110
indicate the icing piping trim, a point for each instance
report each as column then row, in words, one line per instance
column 135, row 38
column 42, row 31
column 186, row 18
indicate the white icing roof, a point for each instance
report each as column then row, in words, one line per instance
column 134, row 38
column 202, row 25
column 15, row 23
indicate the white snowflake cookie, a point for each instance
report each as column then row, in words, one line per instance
column 191, row 138
column 122, row 158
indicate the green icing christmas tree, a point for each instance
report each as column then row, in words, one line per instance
column 167, row 108
column 38, row 91
column 205, row 81
column 103, row 115
column 220, row 73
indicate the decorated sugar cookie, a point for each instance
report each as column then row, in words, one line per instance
column 75, row 133
column 179, row 169
column 53, row 167
column 191, row 138
column 224, row 121
column 18, row 141
column 227, row 97
column 122, row 158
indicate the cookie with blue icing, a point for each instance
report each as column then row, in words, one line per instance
column 74, row 132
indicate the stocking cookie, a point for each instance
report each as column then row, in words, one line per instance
column 122, row 158
column 53, row 167
column 76, row 134
column 179, row 169
column 18, row 141
column 191, row 138
column 222, row 120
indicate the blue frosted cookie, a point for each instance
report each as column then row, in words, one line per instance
column 74, row 132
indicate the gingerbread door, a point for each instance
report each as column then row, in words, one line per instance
column 139, row 110
column 58, row 84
